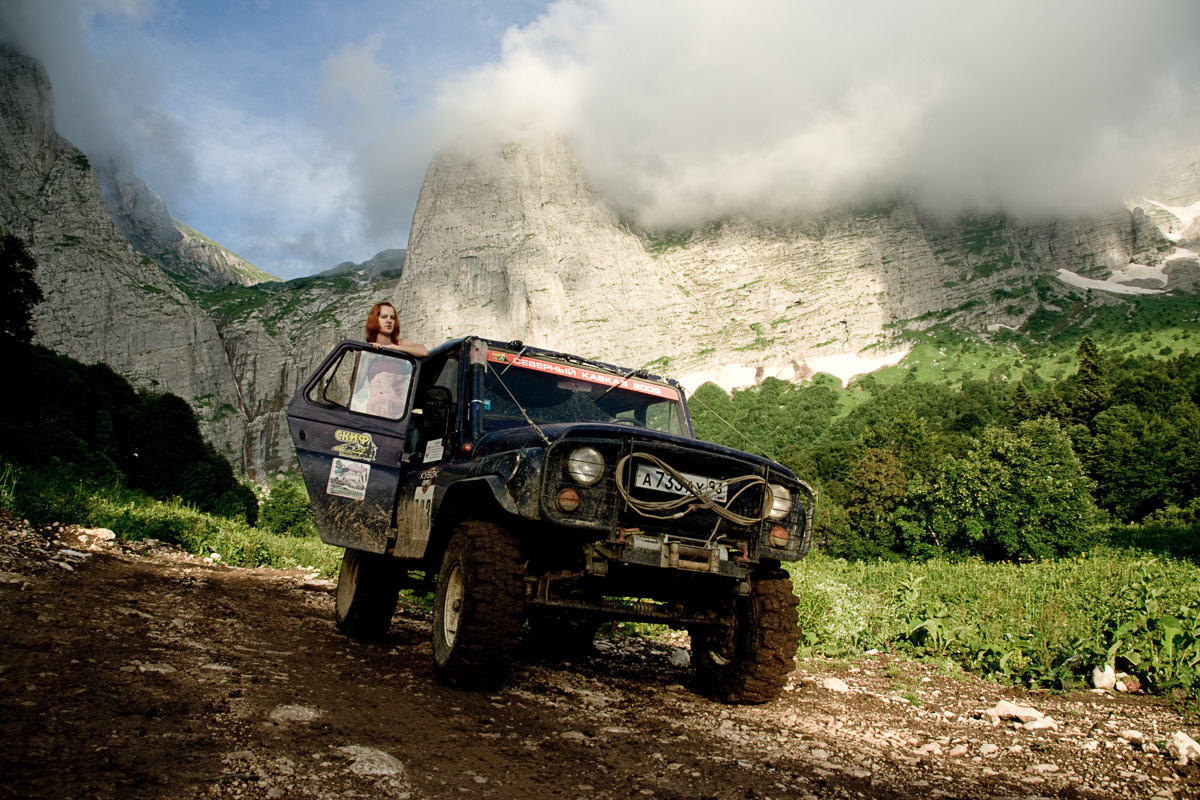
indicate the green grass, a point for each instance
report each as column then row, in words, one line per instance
column 660, row 242
column 235, row 302
column 1041, row 624
column 47, row 496
column 237, row 543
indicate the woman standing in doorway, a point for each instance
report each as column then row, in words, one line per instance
column 383, row 330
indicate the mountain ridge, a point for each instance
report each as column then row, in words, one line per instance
column 182, row 251
column 751, row 296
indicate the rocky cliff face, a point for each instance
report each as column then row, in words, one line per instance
column 196, row 259
column 183, row 252
column 103, row 301
column 515, row 245
column 136, row 209
column 275, row 335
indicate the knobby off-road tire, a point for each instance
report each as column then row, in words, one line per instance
column 749, row 661
column 478, row 607
column 367, row 591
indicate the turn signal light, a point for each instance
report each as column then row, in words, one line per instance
column 779, row 536
column 568, row 499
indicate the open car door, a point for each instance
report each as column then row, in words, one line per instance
column 349, row 425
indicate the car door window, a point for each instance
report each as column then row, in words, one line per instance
column 366, row 382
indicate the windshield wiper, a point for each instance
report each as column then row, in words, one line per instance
column 633, row 373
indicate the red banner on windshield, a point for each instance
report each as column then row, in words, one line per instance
column 583, row 374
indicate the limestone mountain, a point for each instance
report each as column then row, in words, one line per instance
column 186, row 254
column 104, row 302
column 384, row 264
column 514, row 244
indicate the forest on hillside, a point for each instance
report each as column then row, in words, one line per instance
column 998, row 469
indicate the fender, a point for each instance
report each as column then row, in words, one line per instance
column 498, row 489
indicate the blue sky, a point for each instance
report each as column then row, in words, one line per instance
column 297, row 132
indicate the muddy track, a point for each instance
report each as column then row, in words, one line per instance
column 151, row 674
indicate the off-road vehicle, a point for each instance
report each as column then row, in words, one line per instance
column 525, row 486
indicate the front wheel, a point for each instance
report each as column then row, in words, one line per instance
column 478, row 607
column 368, row 589
column 748, row 660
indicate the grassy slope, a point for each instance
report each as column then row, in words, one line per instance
column 1159, row 326
column 241, row 266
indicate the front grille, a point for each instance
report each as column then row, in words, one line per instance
column 604, row 507
column 696, row 522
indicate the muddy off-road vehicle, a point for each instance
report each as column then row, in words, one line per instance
column 524, row 486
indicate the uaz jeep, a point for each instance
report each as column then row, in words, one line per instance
column 532, row 486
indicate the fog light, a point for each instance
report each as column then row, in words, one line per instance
column 779, row 536
column 568, row 499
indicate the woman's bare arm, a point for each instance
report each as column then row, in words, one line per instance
column 410, row 347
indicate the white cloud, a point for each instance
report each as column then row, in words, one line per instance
column 356, row 82
column 685, row 110
column 304, row 141
column 290, row 193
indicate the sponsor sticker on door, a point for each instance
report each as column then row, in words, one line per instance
column 348, row 479
column 353, row 444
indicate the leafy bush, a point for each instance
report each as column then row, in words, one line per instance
column 286, row 509
column 54, row 493
column 239, row 502
column 1017, row 495
column 91, row 423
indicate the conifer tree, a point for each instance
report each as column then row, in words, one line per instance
column 19, row 293
column 1022, row 404
column 1092, row 392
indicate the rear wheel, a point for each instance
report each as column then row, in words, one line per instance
column 478, row 607
column 367, row 592
column 748, row 660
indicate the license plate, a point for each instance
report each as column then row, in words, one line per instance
column 654, row 478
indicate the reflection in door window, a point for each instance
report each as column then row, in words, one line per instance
column 366, row 382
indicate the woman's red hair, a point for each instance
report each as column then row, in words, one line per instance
column 373, row 323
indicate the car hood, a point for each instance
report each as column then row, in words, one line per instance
column 520, row 438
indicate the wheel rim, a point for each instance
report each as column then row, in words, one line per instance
column 452, row 605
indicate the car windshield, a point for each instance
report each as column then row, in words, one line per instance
column 550, row 391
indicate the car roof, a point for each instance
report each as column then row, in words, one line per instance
column 530, row 350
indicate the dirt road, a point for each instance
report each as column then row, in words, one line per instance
column 135, row 671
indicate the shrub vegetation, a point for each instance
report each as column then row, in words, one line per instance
column 1026, row 526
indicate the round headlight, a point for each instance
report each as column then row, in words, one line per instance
column 781, row 502
column 586, row 465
